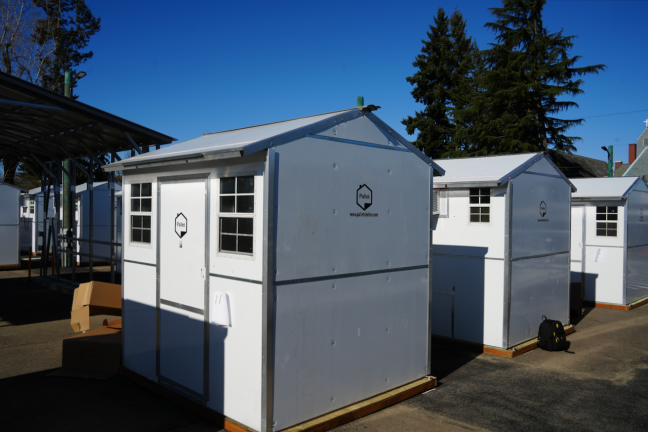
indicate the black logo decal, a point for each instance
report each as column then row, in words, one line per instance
column 641, row 214
column 364, row 197
column 181, row 225
column 543, row 208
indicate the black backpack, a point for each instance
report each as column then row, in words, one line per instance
column 551, row 336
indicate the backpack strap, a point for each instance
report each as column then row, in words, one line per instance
column 544, row 317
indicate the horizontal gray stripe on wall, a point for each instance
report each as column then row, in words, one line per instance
column 630, row 247
column 348, row 275
column 139, row 262
column 468, row 256
column 235, row 278
column 183, row 307
column 540, row 256
column 601, row 246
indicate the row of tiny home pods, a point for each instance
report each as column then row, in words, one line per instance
column 34, row 227
column 277, row 273
column 609, row 239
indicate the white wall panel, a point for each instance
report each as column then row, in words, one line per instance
column 9, row 245
column 318, row 233
column 637, row 218
column 139, row 303
column 539, row 286
column 456, row 235
column 477, row 288
column 235, row 354
column 540, row 228
column 604, row 274
column 361, row 129
column 637, row 278
column 341, row 341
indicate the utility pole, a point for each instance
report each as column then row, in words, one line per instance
column 68, row 197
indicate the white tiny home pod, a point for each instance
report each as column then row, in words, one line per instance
column 501, row 248
column 311, row 237
column 609, row 239
column 10, row 197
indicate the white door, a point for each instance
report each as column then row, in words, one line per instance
column 183, row 242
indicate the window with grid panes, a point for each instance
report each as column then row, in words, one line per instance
column 605, row 228
column 236, row 220
column 479, row 204
column 140, row 208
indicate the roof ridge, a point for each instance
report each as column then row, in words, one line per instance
column 282, row 121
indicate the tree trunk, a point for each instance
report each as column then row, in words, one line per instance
column 10, row 164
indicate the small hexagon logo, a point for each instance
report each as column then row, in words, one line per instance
column 181, row 225
column 364, row 197
column 543, row 208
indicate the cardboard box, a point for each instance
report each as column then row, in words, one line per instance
column 95, row 354
column 94, row 298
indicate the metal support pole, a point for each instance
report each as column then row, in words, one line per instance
column 72, row 245
column 68, row 197
column 56, row 223
column 91, row 214
column 112, row 222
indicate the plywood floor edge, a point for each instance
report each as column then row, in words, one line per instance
column 363, row 408
column 513, row 352
column 10, row 267
column 642, row 301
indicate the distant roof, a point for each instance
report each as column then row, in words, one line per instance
column 490, row 171
column 249, row 140
column 79, row 188
column 621, row 170
column 575, row 166
column 38, row 122
column 604, row 188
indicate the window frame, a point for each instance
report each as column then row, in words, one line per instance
column 607, row 221
column 140, row 213
column 220, row 214
column 480, row 206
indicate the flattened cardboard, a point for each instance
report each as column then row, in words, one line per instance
column 94, row 354
column 116, row 324
column 94, row 298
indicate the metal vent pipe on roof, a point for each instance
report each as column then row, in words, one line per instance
column 360, row 101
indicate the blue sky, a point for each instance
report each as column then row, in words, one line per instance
column 188, row 68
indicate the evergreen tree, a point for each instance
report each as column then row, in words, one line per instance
column 528, row 70
column 67, row 26
column 444, row 84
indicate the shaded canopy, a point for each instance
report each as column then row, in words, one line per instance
column 49, row 127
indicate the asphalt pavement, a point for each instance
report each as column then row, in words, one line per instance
column 602, row 386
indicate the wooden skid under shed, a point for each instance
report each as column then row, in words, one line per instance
column 10, row 267
column 320, row 424
column 507, row 353
column 633, row 305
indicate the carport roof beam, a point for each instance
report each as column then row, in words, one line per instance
column 31, row 114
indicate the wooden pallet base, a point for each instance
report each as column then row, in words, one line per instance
column 507, row 353
column 320, row 424
column 633, row 305
column 364, row 408
column 10, row 267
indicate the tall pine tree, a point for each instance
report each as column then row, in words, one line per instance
column 528, row 70
column 444, row 84
column 67, row 26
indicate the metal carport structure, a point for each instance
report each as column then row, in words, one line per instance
column 48, row 128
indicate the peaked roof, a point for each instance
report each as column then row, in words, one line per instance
column 604, row 187
column 13, row 186
column 489, row 171
column 246, row 141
